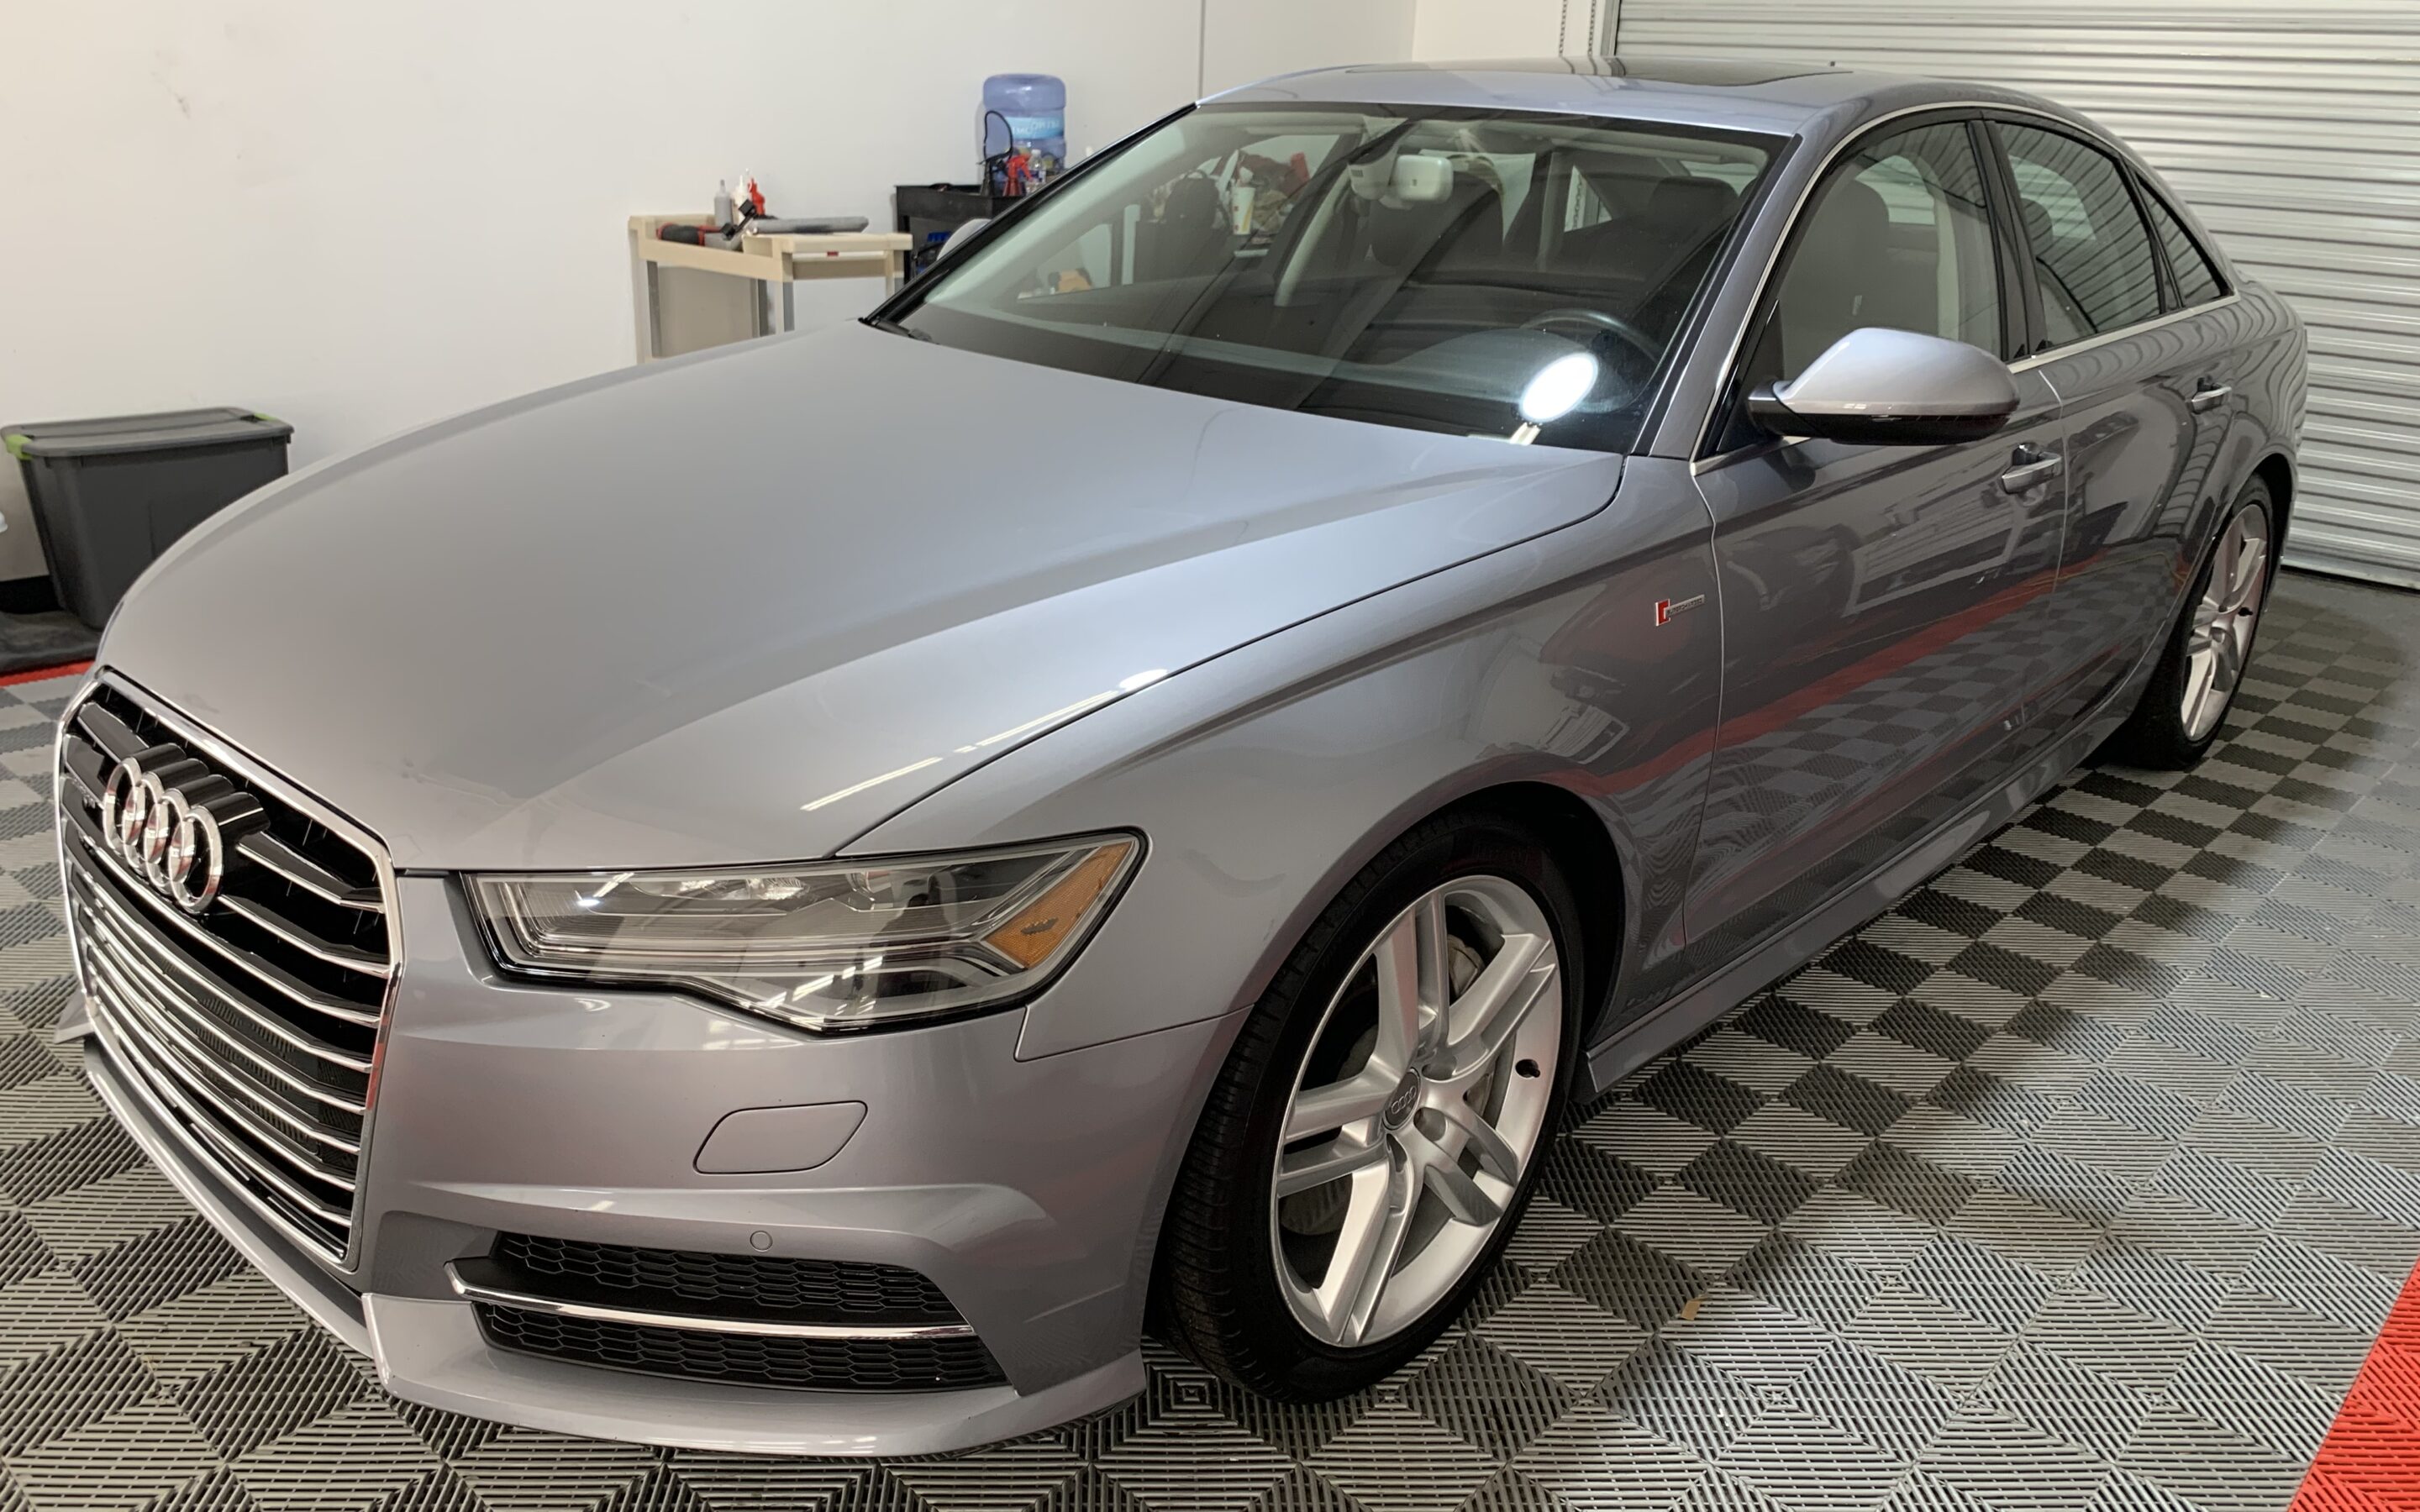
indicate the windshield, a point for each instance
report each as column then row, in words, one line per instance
column 1469, row 271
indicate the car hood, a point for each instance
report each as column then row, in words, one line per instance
column 745, row 606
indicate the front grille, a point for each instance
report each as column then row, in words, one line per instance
column 677, row 1281
column 251, row 1020
column 746, row 1359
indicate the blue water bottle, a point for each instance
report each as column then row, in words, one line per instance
column 1024, row 130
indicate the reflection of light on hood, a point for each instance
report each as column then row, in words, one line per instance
column 1082, row 705
column 855, row 789
column 1056, row 716
column 1557, row 388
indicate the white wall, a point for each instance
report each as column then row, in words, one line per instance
column 1247, row 39
column 360, row 218
column 1474, row 30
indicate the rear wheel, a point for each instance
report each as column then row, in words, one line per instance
column 2196, row 682
column 1374, row 1136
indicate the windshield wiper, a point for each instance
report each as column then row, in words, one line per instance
column 886, row 323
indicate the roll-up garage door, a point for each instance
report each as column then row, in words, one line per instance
column 2292, row 127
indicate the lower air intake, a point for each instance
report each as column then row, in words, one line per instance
column 694, row 1281
column 812, row 1365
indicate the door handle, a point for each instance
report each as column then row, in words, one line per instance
column 2208, row 395
column 2033, row 466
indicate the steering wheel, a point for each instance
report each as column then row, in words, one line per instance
column 1638, row 340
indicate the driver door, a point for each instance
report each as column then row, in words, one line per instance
column 1878, row 602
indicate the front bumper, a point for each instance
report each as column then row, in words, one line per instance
column 1028, row 1192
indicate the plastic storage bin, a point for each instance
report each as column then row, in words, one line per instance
column 110, row 495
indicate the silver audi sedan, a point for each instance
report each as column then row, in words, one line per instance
column 801, row 898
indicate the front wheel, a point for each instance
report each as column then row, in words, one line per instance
column 1371, row 1141
column 2203, row 664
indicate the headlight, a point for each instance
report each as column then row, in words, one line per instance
column 836, row 945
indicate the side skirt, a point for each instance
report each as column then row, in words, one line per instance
column 1657, row 1030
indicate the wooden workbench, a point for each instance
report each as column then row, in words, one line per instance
column 772, row 265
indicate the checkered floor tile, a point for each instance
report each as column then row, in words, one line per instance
column 2082, row 1179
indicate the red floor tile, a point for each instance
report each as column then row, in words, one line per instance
column 2370, row 1461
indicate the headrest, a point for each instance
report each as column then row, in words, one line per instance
column 2038, row 226
column 1191, row 200
column 1401, row 235
column 1855, row 216
column 1689, row 204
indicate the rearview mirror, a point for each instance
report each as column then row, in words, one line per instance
column 1421, row 180
column 1402, row 178
column 1892, row 388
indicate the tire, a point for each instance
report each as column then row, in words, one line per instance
column 1242, row 1285
column 2201, row 667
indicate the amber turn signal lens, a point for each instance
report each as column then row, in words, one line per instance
column 1035, row 932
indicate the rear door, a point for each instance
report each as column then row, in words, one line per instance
column 1876, row 600
column 2145, row 387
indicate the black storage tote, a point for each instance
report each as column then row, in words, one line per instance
column 110, row 495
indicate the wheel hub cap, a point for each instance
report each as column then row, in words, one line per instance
column 1419, row 1105
column 2225, row 620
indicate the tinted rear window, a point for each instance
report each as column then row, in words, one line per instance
column 2198, row 281
column 2092, row 254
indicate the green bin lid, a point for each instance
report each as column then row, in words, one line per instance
column 143, row 433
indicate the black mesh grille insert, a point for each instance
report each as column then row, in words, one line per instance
column 722, row 1285
column 827, row 1365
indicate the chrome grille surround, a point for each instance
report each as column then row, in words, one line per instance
column 252, row 1024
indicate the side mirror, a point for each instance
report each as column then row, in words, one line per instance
column 1876, row 387
column 960, row 237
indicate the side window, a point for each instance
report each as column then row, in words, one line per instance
column 2198, row 282
column 2092, row 254
column 1897, row 236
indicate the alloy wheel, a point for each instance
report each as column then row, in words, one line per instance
column 2224, row 621
column 1417, row 1110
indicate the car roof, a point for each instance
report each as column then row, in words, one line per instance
column 1774, row 97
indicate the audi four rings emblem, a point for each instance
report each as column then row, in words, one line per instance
column 173, row 822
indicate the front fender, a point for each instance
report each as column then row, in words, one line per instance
column 1263, row 779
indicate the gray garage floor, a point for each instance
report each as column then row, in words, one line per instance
column 2081, row 1180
